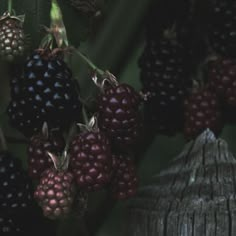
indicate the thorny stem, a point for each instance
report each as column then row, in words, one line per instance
column 9, row 7
column 89, row 62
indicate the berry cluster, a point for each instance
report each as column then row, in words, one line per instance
column 218, row 98
column 43, row 93
column 44, row 102
column 175, row 102
column 17, row 209
column 88, row 166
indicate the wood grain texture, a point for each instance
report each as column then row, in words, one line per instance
column 194, row 196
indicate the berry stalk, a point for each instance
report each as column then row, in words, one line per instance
column 85, row 115
column 57, row 28
column 57, row 25
column 9, row 6
column 89, row 63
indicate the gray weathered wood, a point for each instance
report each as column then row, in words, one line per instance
column 195, row 196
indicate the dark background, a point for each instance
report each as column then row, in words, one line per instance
column 114, row 42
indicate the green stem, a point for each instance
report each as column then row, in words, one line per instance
column 47, row 41
column 57, row 25
column 90, row 64
column 10, row 6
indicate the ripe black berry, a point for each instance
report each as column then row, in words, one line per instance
column 164, row 76
column 38, row 158
column 48, row 94
column 124, row 181
column 202, row 111
column 119, row 116
column 90, row 162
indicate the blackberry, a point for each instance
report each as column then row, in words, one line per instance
column 119, row 116
column 55, row 193
column 15, row 195
column 38, row 158
column 222, row 75
column 221, row 30
column 163, row 120
column 231, row 95
column 24, row 115
column 165, row 77
column 124, row 179
column 15, row 88
column 18, row 212
column 202, row 111
column 12, row 38
column 8, row 226
column 48, row 94
column 90, row 161
column 15, row 71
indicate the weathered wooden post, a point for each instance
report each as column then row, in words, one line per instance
column 195, row 196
